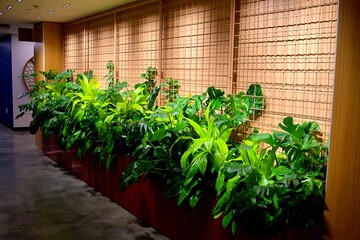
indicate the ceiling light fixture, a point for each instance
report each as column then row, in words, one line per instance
column 51, row 12
column 9, row 7
column 19, row 0
column 1, row 13
column 66, row 5
column 38, row 17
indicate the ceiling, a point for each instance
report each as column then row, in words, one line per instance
column 28, row 12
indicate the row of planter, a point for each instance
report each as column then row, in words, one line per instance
column 145, row 199
column 189, row 145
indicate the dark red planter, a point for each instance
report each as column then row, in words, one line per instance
column 135, row 197
column 145, row 200
column 51, row 148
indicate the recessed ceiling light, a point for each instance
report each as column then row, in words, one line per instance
column 19, row 0
column 66, row 5
column 51, row 12
column 9, row 7
column 1, row 13
column 38, row 17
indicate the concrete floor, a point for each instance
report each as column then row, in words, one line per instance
column 40, row 201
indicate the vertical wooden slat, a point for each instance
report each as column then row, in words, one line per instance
column 343, row 188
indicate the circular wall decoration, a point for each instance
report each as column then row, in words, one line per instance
column 28, row 73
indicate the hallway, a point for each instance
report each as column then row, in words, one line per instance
column 41, row 201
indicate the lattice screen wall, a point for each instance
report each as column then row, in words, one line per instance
column 196, row 44
column 137, row 42
column 74, row 48
column 287, row 46
column 100, row 45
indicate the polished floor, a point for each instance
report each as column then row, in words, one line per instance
column 41, row 201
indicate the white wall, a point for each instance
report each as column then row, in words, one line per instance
column 21, row 52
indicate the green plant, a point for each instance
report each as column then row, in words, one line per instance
column 265, row 189
column 83, row 116
column 203, row 156
column 48, row 102
column 171, row 91
column 149, row 76
column 256, row 100
column 110, row 77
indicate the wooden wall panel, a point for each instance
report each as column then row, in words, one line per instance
column 343, row 182
column 48, row 53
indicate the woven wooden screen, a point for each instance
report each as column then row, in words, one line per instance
column 74, row 48
column 100, row 45
column 196, row 44
column 288, row 47
column 137, row 42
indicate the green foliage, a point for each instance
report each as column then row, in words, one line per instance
column 266, row 188
column 110, row 77
column 149, row 76
column 262, row 183
column 256, row 99
column 171, row 91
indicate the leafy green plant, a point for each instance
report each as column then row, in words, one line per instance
column 263, row 183
column 110, row 76
column 265, row 189
column 171, row 91
column 256, row 100
column 149, row 76
column 48, row 102
column 205, row 153
column 82, row 115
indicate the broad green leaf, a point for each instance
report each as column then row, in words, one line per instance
column 209, row 144
column 218, row 159
column 138, row 107
column 233, row 228
column 219, row 181
column 195, row 198
column 79, row 115
column 159, row 134
column 221, row 148
column 226, row 134
column 262, row 181
column 184, row 158
column 179, row 126
column 288, row 125
column 231, row 184
column 227, row 219
column 198, row 129
column 202, row 163
column 109, row 118
column 194, row 169
column 195, row 146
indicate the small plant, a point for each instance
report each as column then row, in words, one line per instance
column 110, row 77
column 150, row 76
column 171, row 91
column 256, row 100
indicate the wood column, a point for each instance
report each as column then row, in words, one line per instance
column 343, row 180
column 48, row 52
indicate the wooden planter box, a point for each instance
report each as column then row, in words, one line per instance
column 145, row 200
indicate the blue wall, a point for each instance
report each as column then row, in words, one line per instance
column 6, row 98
